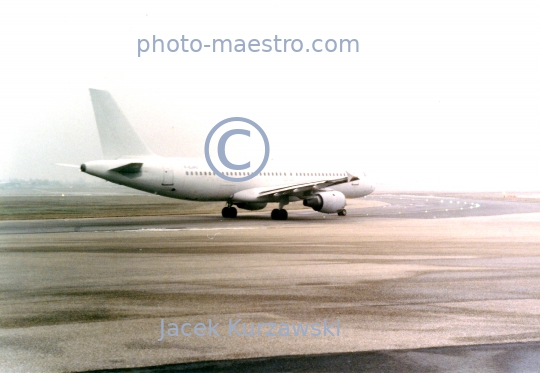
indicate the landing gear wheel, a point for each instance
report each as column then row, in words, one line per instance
column 279, row 214
column 225, row 212
column 342, row 212
column 229, row 212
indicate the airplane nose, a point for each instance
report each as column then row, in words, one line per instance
column 371, row 186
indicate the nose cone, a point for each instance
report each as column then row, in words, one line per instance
column 368, row 183
column 372, row 186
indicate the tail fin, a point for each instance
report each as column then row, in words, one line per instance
column 116, row 134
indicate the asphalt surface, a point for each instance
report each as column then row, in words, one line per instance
column 423, row 284
column 397, row 207
column 518, row 358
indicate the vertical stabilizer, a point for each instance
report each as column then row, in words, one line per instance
column 118, row 139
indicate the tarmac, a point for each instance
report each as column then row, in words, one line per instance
column 418, row 283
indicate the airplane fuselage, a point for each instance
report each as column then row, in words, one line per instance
column 192, row 179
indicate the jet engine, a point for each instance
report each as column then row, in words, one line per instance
column 252, row 205
column 327, row 202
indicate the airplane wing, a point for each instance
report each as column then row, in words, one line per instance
column 297, row 189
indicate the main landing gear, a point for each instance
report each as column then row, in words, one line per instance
column 229, row 212
column 279, row 214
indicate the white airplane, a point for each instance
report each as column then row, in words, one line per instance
column 129, row 162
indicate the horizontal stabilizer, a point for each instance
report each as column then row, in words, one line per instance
column 130, row 168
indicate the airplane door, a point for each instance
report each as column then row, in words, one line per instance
column 168, row 175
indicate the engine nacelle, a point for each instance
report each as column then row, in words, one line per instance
column 327, row 202
column 252, row 205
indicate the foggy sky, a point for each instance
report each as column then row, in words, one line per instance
column 443, row 95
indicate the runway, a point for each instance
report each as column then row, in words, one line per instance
column 516, row 357
column 390, row 206
column 408, row 273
